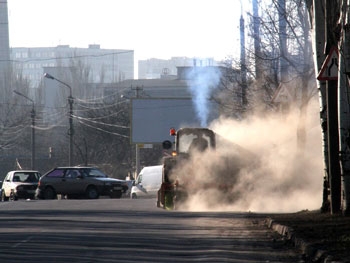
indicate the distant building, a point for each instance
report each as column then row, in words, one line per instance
column 167, row 86
column 156, row 68
column 100, row 65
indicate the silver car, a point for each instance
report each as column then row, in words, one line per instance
column 20, row 184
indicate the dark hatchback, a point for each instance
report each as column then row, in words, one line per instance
column 73, row 182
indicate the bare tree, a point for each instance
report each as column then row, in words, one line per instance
column 102, row 134
column 15, row 119
column 285, row 55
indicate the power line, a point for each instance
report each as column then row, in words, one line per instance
column 99, row 129
column 104, row 116
column 101, row 123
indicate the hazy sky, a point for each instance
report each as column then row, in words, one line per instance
column 153, row 28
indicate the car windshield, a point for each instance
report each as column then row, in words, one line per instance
column 26, row 177
column 94, row 173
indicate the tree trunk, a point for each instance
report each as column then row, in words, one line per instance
column 344, row 112
column 282, row 29
column 243, row 66
column 301, row 134
column 317, row 19
column 257, row 43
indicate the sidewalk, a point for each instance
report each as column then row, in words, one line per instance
column 320, row 237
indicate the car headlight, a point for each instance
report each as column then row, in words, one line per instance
column 108, row 184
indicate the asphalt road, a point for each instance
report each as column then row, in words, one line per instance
column 129, row 230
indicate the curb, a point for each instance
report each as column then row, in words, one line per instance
column 309, row 252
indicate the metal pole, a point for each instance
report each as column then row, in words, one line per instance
column 137, row 148
column 33, row 137
column 71, row 129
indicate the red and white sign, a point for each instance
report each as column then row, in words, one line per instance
column 330, row 68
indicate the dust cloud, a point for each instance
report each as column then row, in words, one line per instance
column 257, row 167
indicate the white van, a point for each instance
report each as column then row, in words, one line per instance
column 147, row 182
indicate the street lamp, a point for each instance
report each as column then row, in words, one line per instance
column 70, row 102
column 33, row 127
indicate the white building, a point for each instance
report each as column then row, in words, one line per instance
column 103, row 65
column 156, row 68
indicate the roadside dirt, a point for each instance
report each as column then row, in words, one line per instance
column 325, row 237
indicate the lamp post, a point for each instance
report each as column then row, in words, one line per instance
column 70, row 102
column 33, row 127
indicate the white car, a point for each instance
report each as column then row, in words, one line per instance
column 20, row 184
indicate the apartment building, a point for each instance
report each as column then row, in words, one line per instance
column 100, row 65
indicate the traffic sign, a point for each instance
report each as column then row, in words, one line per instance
column 282, row 95
column 330, row 68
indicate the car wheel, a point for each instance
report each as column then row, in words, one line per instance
column 92, row 193
column 133, row 196
column 117, row 194
column 13, row 197
column 3, row 197
column 49, row 193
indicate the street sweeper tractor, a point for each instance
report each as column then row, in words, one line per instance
column 173, row 192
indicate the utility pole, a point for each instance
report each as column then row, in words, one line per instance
column 70, row 102
column 137, row 148
column 71, row 130
column 33, row 137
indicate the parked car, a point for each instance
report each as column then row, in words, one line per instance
column 20, row 184
column 73, row 182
